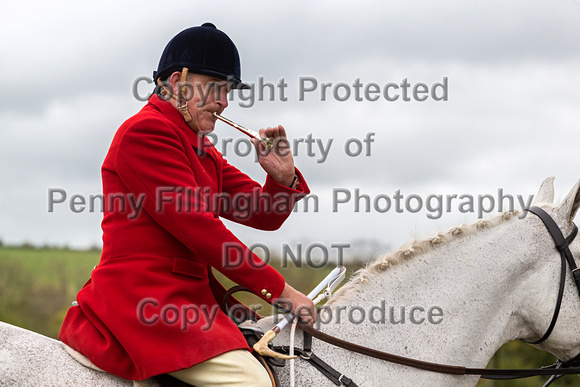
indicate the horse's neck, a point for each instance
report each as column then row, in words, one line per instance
column 475, row 285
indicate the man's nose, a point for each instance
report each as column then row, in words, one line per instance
column 223, row 98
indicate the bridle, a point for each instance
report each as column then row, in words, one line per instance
column 571, row 366
column 563, row 246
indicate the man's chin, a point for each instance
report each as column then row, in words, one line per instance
column 205, row 132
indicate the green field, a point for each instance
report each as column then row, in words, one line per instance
column 37, row 286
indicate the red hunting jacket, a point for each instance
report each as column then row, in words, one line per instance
column 150, row 305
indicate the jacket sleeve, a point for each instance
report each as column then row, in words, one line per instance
column 248, row 203
column 151, row 156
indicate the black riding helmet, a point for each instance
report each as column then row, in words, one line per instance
column 202, row 50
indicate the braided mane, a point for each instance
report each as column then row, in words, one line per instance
column 412, row 249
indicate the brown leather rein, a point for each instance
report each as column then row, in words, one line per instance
column 571, row 366
column 488, row 373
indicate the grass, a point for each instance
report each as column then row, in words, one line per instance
column 38, row 285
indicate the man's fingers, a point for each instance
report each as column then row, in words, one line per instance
column 259, row 145
column 306, row 319
column 306, row 313
column 281, row 131
column 273, row 131
column 281, row 143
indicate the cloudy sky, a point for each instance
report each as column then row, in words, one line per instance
column 510, row 119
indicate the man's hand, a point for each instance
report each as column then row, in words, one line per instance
column 278, row 161
column 299, row 304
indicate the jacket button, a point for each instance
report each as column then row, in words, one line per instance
column 269, row 295
column 264, row 291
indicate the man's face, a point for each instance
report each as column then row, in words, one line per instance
column 205, row 95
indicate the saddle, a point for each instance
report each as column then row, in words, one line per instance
column 252, row 335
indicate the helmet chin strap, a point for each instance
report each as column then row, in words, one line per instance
column 182, row 102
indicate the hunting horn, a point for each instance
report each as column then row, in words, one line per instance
column 251, row 133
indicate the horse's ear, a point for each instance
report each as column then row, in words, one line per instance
column 568, row 208
column 546, row 192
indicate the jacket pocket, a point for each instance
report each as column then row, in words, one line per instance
column 188, row 267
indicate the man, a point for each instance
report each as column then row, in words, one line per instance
column 151, row 305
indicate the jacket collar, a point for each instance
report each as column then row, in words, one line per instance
column 168, row 110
